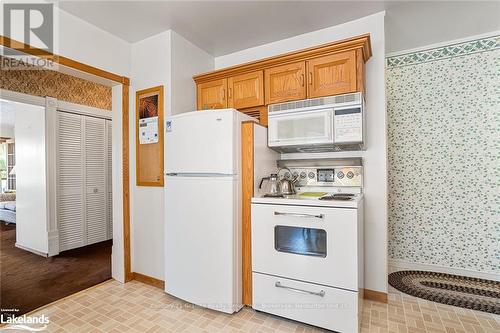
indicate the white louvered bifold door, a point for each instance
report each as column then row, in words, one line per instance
column 109, row 182
column 70, row 181
column 95, row 180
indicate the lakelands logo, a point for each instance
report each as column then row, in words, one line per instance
column 26, row 323
column 29, row 28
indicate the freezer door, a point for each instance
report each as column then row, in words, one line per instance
column 201, row 241
column 201, row 142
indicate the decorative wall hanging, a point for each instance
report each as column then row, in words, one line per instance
column 149, row 136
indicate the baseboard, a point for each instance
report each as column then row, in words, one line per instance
column 374, row 295
column 149, row 280
column 399, row 264
column 31, row 250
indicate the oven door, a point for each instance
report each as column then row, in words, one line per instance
column 311, row 244
column 300, row 128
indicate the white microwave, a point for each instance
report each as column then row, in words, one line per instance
column 323, row 124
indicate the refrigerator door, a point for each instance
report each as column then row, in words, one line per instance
column 201, row 142
column 202, row 255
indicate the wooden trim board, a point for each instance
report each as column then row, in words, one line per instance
column 361, row 42
column 126, row 184
column 374, row 295
column 25, row 48
column 247, row 181
column 149, row 280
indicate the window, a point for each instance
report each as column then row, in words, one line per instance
column 299, row 240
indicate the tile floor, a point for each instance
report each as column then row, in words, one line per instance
column 136, row 307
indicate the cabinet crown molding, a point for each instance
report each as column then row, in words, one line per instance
column 361, row 42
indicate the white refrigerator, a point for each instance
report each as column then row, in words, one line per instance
column 202, row 210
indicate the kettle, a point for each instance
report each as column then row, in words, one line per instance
column 288, row 185
column 273, row 188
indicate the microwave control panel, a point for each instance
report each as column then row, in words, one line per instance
column 336, row 176
column 348, row 125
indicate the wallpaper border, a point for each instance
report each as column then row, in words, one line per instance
column 448, row 51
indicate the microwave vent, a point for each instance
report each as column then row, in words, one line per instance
column 313, row 102
column 319, row 148
column 254, row 114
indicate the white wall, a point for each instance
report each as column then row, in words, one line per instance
column 84, row 42
column 7, row 131
column 170, row 60
column 31, row 186
column 375, row 156
column 150, row 67
column 90, row 45
column 187, row 60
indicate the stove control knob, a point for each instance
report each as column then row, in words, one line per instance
column 287, row 175
column 350, row 174
column 340, row 175
column 295, row 174
column 303, row 175
column 311, row 175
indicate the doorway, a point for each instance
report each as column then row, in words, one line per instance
column 34, row 268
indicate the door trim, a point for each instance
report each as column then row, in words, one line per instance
column 118, row 79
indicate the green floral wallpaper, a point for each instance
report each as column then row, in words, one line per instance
column 444, row 156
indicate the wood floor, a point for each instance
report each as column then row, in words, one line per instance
column 28, row 281
column 135, row 307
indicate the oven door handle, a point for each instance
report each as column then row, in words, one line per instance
column 320, row 293
column 319, row 216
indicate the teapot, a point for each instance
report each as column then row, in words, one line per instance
column 273, row 188
column 288, row 185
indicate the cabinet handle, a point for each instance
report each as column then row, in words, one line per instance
column 229, row 93
column 320, row 293
column 223, row 94
column 310, row 78
column 320, row 216
column 302, row 79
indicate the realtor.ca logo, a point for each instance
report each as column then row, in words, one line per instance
column 29, row 29
column 24, row 323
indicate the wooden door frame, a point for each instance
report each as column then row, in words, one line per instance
column 125, row 82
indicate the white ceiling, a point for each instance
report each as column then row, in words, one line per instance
column 222, row 27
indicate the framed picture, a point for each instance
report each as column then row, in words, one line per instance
column 149, row 136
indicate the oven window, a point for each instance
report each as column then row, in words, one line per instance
column 298, row 240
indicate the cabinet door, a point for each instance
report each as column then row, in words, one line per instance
column 70, row 181
column 331, row 75
column 95, row 180
column 285, row 83
column 212, row 95
column 246, row 90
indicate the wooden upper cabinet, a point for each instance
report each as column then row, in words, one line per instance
column 246, row 90
column 212, row 95
column 285, row 83
column 332, row 74
column 324, row 70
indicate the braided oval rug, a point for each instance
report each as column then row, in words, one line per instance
column 465, row 292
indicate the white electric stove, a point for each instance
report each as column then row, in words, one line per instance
column 307, row 248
